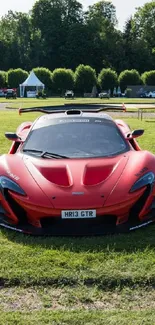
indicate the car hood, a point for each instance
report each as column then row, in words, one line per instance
column 72, row 183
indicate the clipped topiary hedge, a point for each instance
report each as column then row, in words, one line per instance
column 107, row 79
column 16, row 77
column 85, row 78
column 128, row 78
column 62, row 79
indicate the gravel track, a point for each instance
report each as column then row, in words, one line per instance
column 5, row 107
column 132, row 114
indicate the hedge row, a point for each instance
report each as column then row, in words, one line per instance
column 82, row 80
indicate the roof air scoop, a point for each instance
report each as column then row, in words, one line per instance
column 73, row 112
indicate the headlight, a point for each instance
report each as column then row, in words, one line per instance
column 7, row 183
column 143, row 181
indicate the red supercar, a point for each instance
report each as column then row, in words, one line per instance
column 76, row 171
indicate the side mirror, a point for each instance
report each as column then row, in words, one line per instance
column 12, row 136
column 135, row 134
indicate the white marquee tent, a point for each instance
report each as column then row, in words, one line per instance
column 31, row 81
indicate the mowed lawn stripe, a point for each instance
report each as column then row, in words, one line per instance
column 75, row 298
column 80, row 317
column 104, row 261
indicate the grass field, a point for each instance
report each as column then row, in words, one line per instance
column 100, row 280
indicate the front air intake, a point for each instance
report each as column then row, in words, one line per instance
column 74, row 112
column 16, row 208
column 138, row 206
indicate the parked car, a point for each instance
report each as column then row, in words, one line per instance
column 41, row 94
column 104, row 95
column 151, row 94
column 69, row 94
column 2, row 93
column 11, row 93
column 144, row 94
column 42, row 191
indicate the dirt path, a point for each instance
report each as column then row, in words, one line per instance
column 132, row 114
column 3, row 106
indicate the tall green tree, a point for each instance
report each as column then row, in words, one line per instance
column 100, row 11
column 112, row 47
column 54, row 19
column 15, row 31
column 107, row 40
column 144, row 23
column 135, row 45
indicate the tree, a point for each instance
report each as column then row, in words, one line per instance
column 85, row 78
column 106, row 44
column 107, row 79
column 16, row 77
column 100, row 11
column 3, row 79
column 133, row 46
column 45, row 76
column 128, row 41
column 55, row 19
column 72, row 12
column 129, row 77
column 143, row 23
column 62, row 79
column 148, row 78
column 112, row 47
column 83, row 46
column 15, row 31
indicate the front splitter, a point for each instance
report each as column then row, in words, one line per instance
column 90, row 231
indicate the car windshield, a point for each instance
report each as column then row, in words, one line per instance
column 75, row 138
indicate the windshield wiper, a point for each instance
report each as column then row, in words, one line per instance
column 47, row 154
column 33, row 151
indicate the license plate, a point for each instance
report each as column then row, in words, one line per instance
column 78, row 214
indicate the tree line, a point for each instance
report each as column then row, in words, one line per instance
column 82, row 80
column 61, row 34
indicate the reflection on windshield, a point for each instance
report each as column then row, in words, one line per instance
column 78, row 140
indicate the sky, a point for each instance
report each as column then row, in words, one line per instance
column 124, row 8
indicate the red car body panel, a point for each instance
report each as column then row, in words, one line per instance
column 52, row 185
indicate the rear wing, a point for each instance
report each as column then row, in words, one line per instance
column 92, row 108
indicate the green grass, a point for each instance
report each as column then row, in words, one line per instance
column 96, row 280
column 107, row 262
column 79, row 318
